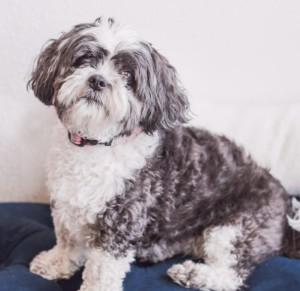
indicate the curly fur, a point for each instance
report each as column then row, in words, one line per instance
column 166, row 191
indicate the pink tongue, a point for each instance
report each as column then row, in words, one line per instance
column 76, row 138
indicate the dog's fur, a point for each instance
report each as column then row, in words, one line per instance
column 160, row 189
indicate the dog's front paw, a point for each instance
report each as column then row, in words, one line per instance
column 52, row 265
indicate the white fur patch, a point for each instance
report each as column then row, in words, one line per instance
column 82, row 180
column 218, row 243
column 294, row 221
column 104, row 272
column 116, row 37
column 218, row 273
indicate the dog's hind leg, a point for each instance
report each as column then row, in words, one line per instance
column 222, row 270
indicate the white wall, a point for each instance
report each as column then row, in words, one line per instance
column 224, row 50
column 227, row 52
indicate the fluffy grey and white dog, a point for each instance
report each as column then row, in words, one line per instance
column 128, row 181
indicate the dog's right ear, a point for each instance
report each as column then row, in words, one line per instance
column 44, row 73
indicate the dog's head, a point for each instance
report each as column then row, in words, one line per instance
column 105, row 81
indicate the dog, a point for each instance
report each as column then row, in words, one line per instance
column 129, row 180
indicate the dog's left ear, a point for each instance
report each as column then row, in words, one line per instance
column 165, row 103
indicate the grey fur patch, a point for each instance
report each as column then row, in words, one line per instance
column 47, row 74
column 195, row 181
column 165, row 104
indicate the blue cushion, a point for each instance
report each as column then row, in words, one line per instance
column 26, row 229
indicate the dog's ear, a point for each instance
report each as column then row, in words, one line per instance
column 44, row 73
column 165, row 104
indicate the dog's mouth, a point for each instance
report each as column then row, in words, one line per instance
column 92, row 99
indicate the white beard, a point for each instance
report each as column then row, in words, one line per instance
column 97, row 121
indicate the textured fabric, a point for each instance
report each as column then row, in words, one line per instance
column 26, row 229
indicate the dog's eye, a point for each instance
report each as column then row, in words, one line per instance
column 82, row 60
column 128, row 78
column 126, row 75
column 79, row 61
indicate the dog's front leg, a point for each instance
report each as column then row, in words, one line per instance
column 64, row 259
column 57, row 263
column 105, row 271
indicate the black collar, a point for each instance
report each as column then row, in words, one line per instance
column 81, row 142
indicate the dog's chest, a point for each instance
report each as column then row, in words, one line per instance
column 82, row 180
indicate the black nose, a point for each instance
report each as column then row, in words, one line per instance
column 97, row 82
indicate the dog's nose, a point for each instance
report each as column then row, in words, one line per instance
column 97, row 82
